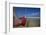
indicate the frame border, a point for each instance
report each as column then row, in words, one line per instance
column 9, row 12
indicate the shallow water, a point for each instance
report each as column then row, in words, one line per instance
column 33, row 22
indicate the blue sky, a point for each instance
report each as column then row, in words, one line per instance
column 25, row 11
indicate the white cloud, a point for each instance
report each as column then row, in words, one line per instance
column 35, row 14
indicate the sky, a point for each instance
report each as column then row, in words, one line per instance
column 26, row 11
